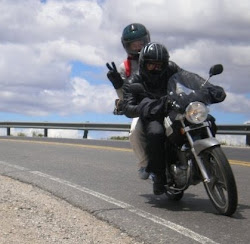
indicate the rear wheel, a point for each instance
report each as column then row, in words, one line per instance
column 221, row 189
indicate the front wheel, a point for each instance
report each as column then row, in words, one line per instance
column 221, row 189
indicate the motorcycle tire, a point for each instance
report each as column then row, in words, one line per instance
column 221, row 189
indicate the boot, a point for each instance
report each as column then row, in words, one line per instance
column 159, row 182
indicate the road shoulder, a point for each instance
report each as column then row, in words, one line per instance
column 31, row 215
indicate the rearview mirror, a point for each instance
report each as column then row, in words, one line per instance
column 215, row 70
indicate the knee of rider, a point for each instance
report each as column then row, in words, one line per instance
column 133, row 134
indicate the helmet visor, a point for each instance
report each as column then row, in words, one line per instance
column 135, row 46
column 154, row 67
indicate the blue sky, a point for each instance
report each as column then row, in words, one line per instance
column 53, row 54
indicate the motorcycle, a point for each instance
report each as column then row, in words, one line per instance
column 194, row 155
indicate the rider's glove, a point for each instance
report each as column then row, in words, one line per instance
column 152, row 108
column 114, row 76
column 217, row 94
column 178, row 102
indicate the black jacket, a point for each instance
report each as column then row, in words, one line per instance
column 152, row 102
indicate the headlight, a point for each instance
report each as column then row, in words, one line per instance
column 196, row 112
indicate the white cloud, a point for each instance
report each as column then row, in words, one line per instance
column 236, row 103
column 92, row 98
column 52, row 133
column 200, row 55
column 75, row 134
column 39, row 41
column 232, row 140
column 31, row 66
column 80, row 97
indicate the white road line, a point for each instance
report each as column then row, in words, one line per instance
column 168, row 224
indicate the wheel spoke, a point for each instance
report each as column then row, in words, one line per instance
column 221, row 194
column 212, row 182
column 218, row 189
column 221, row 184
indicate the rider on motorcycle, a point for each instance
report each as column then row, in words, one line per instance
column 134, row 37
column 161, row 80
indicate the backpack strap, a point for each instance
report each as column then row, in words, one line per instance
column 127, row 64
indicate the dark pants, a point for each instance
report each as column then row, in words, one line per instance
column 155, row 136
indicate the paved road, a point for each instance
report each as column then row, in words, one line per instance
column 104, row 181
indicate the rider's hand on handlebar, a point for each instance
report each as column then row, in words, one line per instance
column 114, row 76
column 178, row 102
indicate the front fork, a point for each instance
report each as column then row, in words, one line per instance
column 200, row 145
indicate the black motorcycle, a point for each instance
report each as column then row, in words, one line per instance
column 194, row 155
column 198, row 157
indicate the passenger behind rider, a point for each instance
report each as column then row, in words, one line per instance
column 134, row 37
column 160, row 79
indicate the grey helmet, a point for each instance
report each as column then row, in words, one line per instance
column 134, row 32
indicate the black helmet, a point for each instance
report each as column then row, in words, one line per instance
column 153, row 62
column 132, row 33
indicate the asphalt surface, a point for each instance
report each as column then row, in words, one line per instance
column 101, row 178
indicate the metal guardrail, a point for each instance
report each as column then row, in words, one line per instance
column 243, row 129
column 234, row 129
column 86, row 127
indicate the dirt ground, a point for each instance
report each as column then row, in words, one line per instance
column 29, row 215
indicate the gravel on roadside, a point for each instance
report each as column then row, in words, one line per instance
column 29, row 215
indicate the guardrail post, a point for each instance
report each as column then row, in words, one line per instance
column 8, row 131
column 85, row 134
column 248, row 139
column 45, row 132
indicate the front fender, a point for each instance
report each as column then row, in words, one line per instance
column 203, row 144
